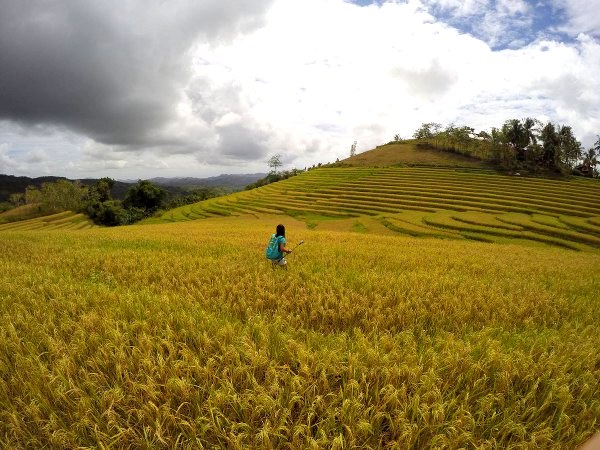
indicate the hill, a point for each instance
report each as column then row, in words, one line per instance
column 181, row 334
column 231, row 182
column 411, row 153
column 457, row 203
column 66, row 220
column 11, row 184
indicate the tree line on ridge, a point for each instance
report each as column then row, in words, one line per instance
column 526, row 144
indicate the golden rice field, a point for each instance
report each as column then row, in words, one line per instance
column 66, row 220
column 458, row 203
column 182, row 336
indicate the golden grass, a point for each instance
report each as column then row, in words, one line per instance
column 23, row 212
column 182, row 336
column 408, row 154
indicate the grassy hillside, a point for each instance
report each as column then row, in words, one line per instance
column 458, row 203
column 23, row 212
column 181, row 335
column 409, row 153
column 63, row 220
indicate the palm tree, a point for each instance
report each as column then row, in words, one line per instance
column 530, row 137
column 551, row 144
column 517, row 136
column 570, row 147
column 589, row 159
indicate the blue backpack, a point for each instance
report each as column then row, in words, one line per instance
column 272, row 251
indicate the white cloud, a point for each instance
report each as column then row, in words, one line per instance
column 582, row 16
column 37, row 156
column 512, row 7
column 460, row 8
column 322, row 73
column 7, row 163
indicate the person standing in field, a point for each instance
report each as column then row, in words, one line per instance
column 276, row 249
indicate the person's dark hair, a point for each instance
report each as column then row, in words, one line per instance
column 280, row 231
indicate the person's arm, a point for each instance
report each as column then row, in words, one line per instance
column 283, row 249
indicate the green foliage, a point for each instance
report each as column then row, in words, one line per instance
column 17, row 199
column 551, row 145
column 197, row 195
column 101, row 189
column 132, row 214
column 141, row 201
column 60, row 195
column 274, row 177
column 99, row 205
column 108, row 213
column 519, row 145
column 144, row 196
column 426, row 131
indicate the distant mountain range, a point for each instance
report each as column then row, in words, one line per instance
column 229, row 181
column 10, row 184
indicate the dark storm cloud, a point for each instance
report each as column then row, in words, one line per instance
column 113, row 70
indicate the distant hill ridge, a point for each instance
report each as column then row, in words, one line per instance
column 236, row 181
column 10, row 184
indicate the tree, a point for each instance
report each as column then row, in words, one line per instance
column 424, row 131
column 530, row 133
column 32, row 195
column 462, row 137
column 109, row 213
column 103, row 188
column 97, row 202
column 62, row 195
column 570, row 150
column 144, row 196
column 397, row 138
column 551, row 145
column 353, row 149
column 590, row 160
column 274, row 163
column 516, row 137
column 17, row 198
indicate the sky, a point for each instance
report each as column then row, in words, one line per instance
column 135, row 89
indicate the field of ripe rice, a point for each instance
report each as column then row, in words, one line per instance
column 182, row 336
column 459, row 203
column 63, row 220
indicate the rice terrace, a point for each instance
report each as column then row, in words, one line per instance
column 435, row 304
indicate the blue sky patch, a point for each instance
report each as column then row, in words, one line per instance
column 497, row 26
